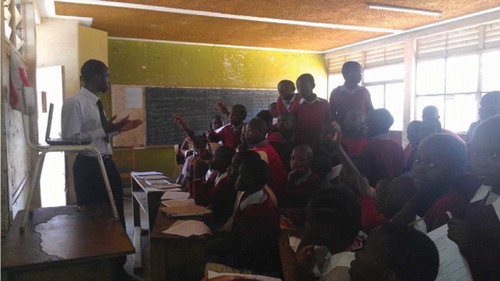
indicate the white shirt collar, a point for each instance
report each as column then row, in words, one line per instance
column 481, row 193
column 219, row 177
column 303, row 178
column 256, row 198
column 88, row 94
column 303, row 100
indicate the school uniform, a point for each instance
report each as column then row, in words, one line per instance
column 278, row 174
column 370, row 216
column 311, row 118
column 483, row 250
column 83, row 117
column 454, row 200
column 354, row 146
column 218, row 192
column 332, row 267
column 283, row 106
column 298, row 190
column 282, row 146
column 256, row 226
column 342, row 100
column 410, row 153
column 382, row 157
column 229, row 135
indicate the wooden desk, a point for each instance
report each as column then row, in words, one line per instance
column 60, row 244
column 287, row 256
column 148, row 200
column 170, row 252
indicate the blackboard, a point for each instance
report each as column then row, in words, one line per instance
column 197, row 106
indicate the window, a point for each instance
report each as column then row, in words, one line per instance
column 13, row 25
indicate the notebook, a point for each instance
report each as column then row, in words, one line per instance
column 186, row 211
column 61, row 141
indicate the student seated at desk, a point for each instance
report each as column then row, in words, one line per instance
column 218, row 191
column 395, row 252
column 333, row 221
column 230, row 134
column 255, row 136
column 302, row 182
column 253, row 242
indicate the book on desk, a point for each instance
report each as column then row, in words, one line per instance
column 186, row 211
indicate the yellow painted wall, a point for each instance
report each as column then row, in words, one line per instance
column 180, row 65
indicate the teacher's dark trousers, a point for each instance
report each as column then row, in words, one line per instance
column 89, row 184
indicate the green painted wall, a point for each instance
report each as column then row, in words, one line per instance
column 179, row 65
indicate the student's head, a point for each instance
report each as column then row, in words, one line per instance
column 305, row 85
column 253, row 175
column 95, row 74
column 286, row 122
column 490, row 105
column 302, row 157
column 273, row 109
column 234, row 170
column 430, row 112
column 413, row 132
column 352, row 73
column 439, row 159
column 396, row 252
column 222, row 158
column 485, row 152
column 256, row 131
column 353, row 121
column 378, row 121
column 333, row 218
column 286, row 89
column 429, row 127
column 393, row 194
column 238, row 114
column 217, row 122
column 267, row 117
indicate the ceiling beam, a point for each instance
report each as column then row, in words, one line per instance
column 228, row 16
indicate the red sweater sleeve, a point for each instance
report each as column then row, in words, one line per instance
column 370, row 217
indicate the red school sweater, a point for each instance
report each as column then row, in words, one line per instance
column 278, row 174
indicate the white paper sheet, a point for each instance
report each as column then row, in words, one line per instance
column 213, row 274
column 188, row 228
column 294, row 242
column 133, row 97
column 452, row 266
column 147, row 173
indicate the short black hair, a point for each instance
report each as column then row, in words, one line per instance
column 430, row 110
column 240, row 109
column 431, row 122
column 348, row 66
column 336, row 206
column 266, row 116
column 306, row 77
column 91, row 68
column 450, row 148
column 259, row 123
column 409, row 253
column 257, row 169
column 248, row 154
column 491, row 98
column 383, row 118
column 490, row 127
column 225, row 152
column 283, row 82
column 307, row 151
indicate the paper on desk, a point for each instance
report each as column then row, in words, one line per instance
column 175, row 195
column 147, row 173
column 213, row 274
column 186, row 211
column 154, row 177
column 294, row 242
column 452, row 266
column 174, row 203
column 188, row 228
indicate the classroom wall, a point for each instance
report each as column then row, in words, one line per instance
column 134, row 62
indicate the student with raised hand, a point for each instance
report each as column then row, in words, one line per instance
column 350, row 96
column 255, row 136
column 395, row 252
column 312, row 114
column 287, row 101
column 489, row 107
column 478, row 234
column 382, row 157
column 218, row 191
column 302, row 181
column 282, row 139
column 333, row 221
column 230, row 134
column 442, row 184
column 353, row 133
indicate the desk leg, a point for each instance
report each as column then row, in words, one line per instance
column 137, row 236
column 157, row 253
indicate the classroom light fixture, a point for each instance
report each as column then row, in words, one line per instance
column 394, row 8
